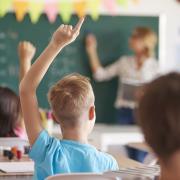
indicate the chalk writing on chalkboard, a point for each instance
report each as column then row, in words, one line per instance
column 3, row 60
column 12, row 70
column 2, row 35
column 2, row 47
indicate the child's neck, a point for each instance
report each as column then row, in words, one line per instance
column 75, row 136
column 172, row 170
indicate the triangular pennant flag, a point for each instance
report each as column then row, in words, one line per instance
column 4, row 7
column 51, row 10
column 94, row 8
column 135, row 2
column 66, row 10
column 35, row 10
column 123, row 3
column 80, row 7
column 111, row 6
column 20, row 8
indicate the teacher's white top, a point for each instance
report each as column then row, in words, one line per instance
column 126, row 69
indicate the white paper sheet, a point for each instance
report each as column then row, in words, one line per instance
column 17, row 167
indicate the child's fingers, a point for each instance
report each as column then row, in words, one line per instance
column 78, row 25
column 66, row 28
column 70, row 27
column 61, row 26
column 19, row 45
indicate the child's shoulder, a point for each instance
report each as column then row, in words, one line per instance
column 109, row 160
column 106, row 156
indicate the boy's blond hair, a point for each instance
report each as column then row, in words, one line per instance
column 149, row 39
column 70, row 97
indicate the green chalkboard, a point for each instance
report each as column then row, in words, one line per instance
column 112, row 34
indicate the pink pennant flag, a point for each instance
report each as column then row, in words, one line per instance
column 51, row 10
column 111, row 6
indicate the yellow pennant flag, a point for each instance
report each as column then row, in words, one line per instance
column 80, row 7
column 35, row 10
column 94, row 8
column 66, row 10
column 20, row 8
column 5, row 6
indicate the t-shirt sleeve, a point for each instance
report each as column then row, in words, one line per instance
column 42, row 145
column 114, row 165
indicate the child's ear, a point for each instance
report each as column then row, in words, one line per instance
column 91, row 113
column 54, row 118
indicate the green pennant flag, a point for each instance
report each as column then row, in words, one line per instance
column 5, row 6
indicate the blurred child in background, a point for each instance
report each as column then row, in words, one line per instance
column 11, row 123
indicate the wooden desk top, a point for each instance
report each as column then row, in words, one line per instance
column 123, row 162
column 25, row 158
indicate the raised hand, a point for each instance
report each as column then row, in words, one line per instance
column 66, row 34
column 26, row 52
column 91, row 43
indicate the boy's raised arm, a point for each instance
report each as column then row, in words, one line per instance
column 63, row 36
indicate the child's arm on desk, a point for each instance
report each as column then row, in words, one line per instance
column 63, row 36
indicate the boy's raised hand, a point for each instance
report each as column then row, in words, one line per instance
column 66, row 34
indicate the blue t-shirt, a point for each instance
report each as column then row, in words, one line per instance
column 53, row 156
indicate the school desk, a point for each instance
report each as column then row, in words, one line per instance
column 16, row 175
column 124, row 162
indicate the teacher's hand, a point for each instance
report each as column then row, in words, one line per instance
column 91, row 43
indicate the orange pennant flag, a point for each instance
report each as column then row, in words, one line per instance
column 80, row 7
column 20, row 8
column 135, row 2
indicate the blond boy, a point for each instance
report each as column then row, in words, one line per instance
column 72, row 102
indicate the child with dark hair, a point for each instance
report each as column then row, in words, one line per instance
column 159, row 117
column 11, row 123
column 9, row 112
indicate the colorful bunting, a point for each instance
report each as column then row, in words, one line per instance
column 4, row 7
column 135, row 2
column 51, row 10
column 65, row 9
column 123, row 3
column 20, row 8
column 80, row 7
column 94, row 8
column 111, row 6
column 35, row 10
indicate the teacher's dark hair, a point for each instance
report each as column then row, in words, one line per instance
column 9, row 112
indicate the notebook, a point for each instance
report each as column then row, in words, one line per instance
column 17, row 167
column 136, row 173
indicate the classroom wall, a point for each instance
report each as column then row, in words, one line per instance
column 171, row 41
